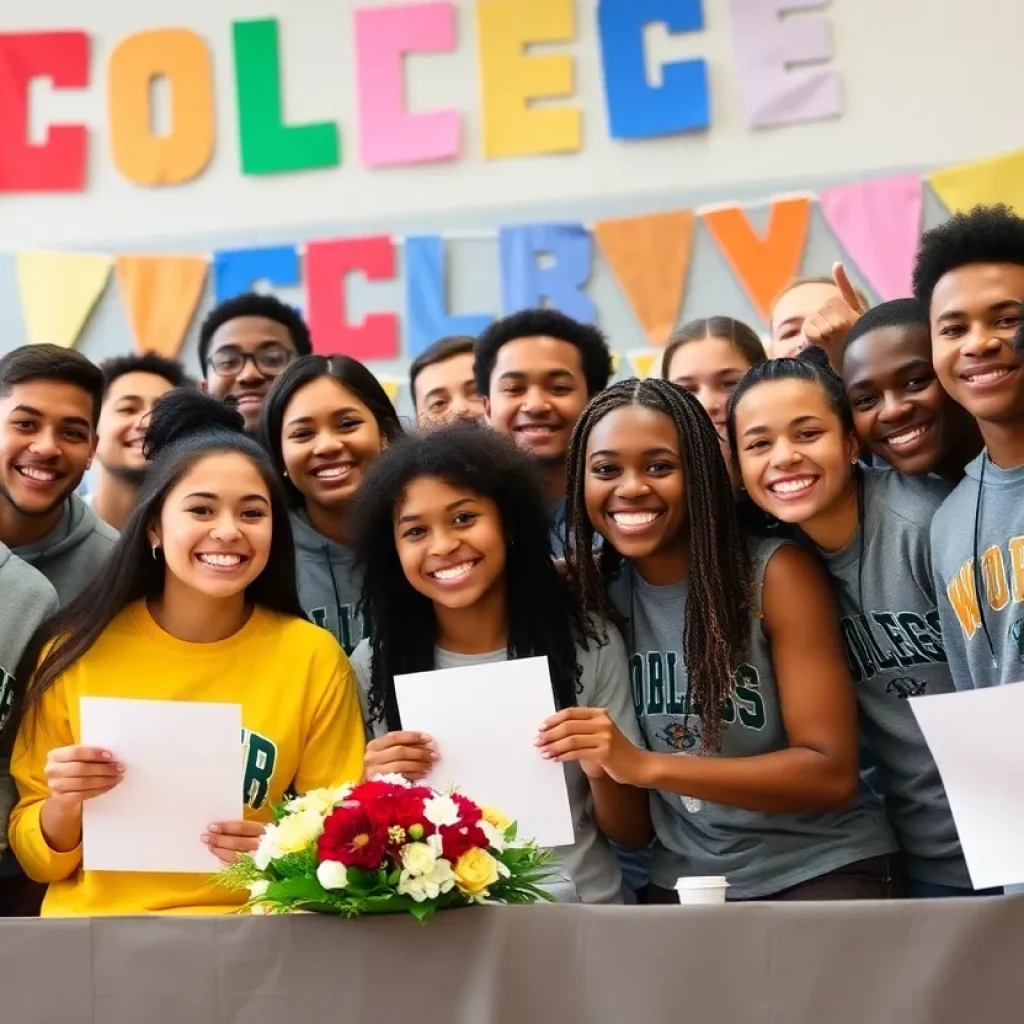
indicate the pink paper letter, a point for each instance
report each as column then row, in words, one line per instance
column 388, row 134
column 767, row 45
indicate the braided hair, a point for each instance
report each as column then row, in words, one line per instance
column 543, row 616
column 719, row 606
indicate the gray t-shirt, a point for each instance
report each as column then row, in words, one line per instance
column 894, row 646
column 590, row 864
column 760, row 853
column 982, row 519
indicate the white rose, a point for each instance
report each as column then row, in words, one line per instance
column 411, row 885
column 258, row 888
column 435, row 844
column 295, row 832
column 441, row 810
column 495, row 837
column 418, row 859
column 267, row 850
column 332, row 875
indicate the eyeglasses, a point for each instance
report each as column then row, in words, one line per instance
column 270, row 360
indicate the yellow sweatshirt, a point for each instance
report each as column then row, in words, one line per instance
column 301, row 728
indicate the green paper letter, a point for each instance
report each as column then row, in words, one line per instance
column 269, row 146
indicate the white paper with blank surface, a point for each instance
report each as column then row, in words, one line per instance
column 183, row 772
column 975, row 738
column 484, row 719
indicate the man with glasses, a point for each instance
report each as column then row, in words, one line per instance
column 244, row 343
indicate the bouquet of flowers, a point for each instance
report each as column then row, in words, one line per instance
column 387, row 846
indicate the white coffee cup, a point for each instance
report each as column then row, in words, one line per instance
column 703, row 889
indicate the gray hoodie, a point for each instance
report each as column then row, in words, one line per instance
column 27, row 600
column 329, row 586
column 71, row 554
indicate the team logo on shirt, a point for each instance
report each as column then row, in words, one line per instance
column 904, row 687
column 878, row 642
column 260, row 762
column 6, row 696
column 350, row 626
column 1003, row 577
column 681, row 737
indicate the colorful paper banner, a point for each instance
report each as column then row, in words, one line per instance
column 646, row 363
column 236, row 271
column 879, row 224
column 58, row 292
column 426, row 297
column 392, row 387
column 525, row 284
column 650, row 256
column 160, row 296
column 997, row 180
column 763, row 266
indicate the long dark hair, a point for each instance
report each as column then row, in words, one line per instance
column 718, row 608
column 185, row 427
column 348, row 372
column 746, row 342
column 543, row 618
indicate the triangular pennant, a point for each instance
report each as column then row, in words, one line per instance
column 160, row 296
column 616, row 361
column 763, row 266
column 645, row 362
column 392, row 387
column 997, row 180
column 879, row 224
column 650, row 256
column 58, row 292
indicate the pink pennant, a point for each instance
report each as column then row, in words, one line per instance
column 879, row 224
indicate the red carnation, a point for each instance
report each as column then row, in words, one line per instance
column 350, row 838
column 402, row 810
column 457, row 839
column 469, row 812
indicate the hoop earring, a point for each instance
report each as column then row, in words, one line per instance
column 155, row 549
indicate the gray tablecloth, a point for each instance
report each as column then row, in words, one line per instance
column 943, row 962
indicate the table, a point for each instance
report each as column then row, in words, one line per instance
column 941, row 962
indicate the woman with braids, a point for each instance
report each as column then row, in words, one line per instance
column 793, row 432
column 452, row 529
column 739, row 679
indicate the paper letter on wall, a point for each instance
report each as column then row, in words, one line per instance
column 637, row 109
column 879, row 224
column 426, row 293
column 510, row 78
column 160, row 295
column 763, row 266
column 525, row 283
column 997, row 180
column 388, row 133
column 139, row 153
column 58, row 292
column 58, row 164
column 328, row 264
column 649, row 256
column 766, row 45
column 269, row 146
column 236, row 271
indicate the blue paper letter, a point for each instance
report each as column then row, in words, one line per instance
column 235, row 271
column 426, row 296
column 525, row 284
column 637, row 110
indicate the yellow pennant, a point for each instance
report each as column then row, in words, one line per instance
column 997, row 180
column 646, row 363
column 392, row 386
column 58, row 292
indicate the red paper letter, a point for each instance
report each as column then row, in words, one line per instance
column 328, row 264
column 57, row 165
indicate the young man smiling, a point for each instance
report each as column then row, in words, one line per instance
column 442, row 383
column 131, row 385
column 536, row 371
column 244, row 344
column 970, row 272
column 49, row 405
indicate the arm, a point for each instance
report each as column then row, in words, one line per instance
column 830, row 326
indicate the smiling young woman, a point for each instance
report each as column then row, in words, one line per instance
column 197, row 603
column 326, row 420
column 453, row 534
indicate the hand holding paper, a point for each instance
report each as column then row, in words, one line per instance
column 411, row 754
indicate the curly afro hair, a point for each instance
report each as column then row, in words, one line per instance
column 986, row 234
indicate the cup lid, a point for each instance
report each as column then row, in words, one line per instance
column 702, row 882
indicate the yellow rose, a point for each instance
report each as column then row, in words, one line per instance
column 319, row 800
column 474, row 871
column 496, row 818
column 296, row 831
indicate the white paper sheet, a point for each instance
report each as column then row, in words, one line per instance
column 975, row 738
column 484, row 719
column 183, row 771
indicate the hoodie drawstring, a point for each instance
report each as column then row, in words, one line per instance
column 337, row 596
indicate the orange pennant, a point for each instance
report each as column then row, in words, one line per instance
column 650, row 256
column 763, row 266
column 160, row 296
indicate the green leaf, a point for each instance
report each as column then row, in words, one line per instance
column 306, row 889
column 395, row 877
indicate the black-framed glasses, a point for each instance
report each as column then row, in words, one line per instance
column 270, row 360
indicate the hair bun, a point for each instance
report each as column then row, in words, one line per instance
column 185, row 412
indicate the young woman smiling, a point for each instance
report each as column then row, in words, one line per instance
column 734, row 653
column 793, row 433
column 325, row 421
column 452, row 529
column 197, row 603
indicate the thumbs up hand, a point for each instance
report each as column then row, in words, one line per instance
column 829, row 327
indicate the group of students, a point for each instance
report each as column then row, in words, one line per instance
column 738, row 573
